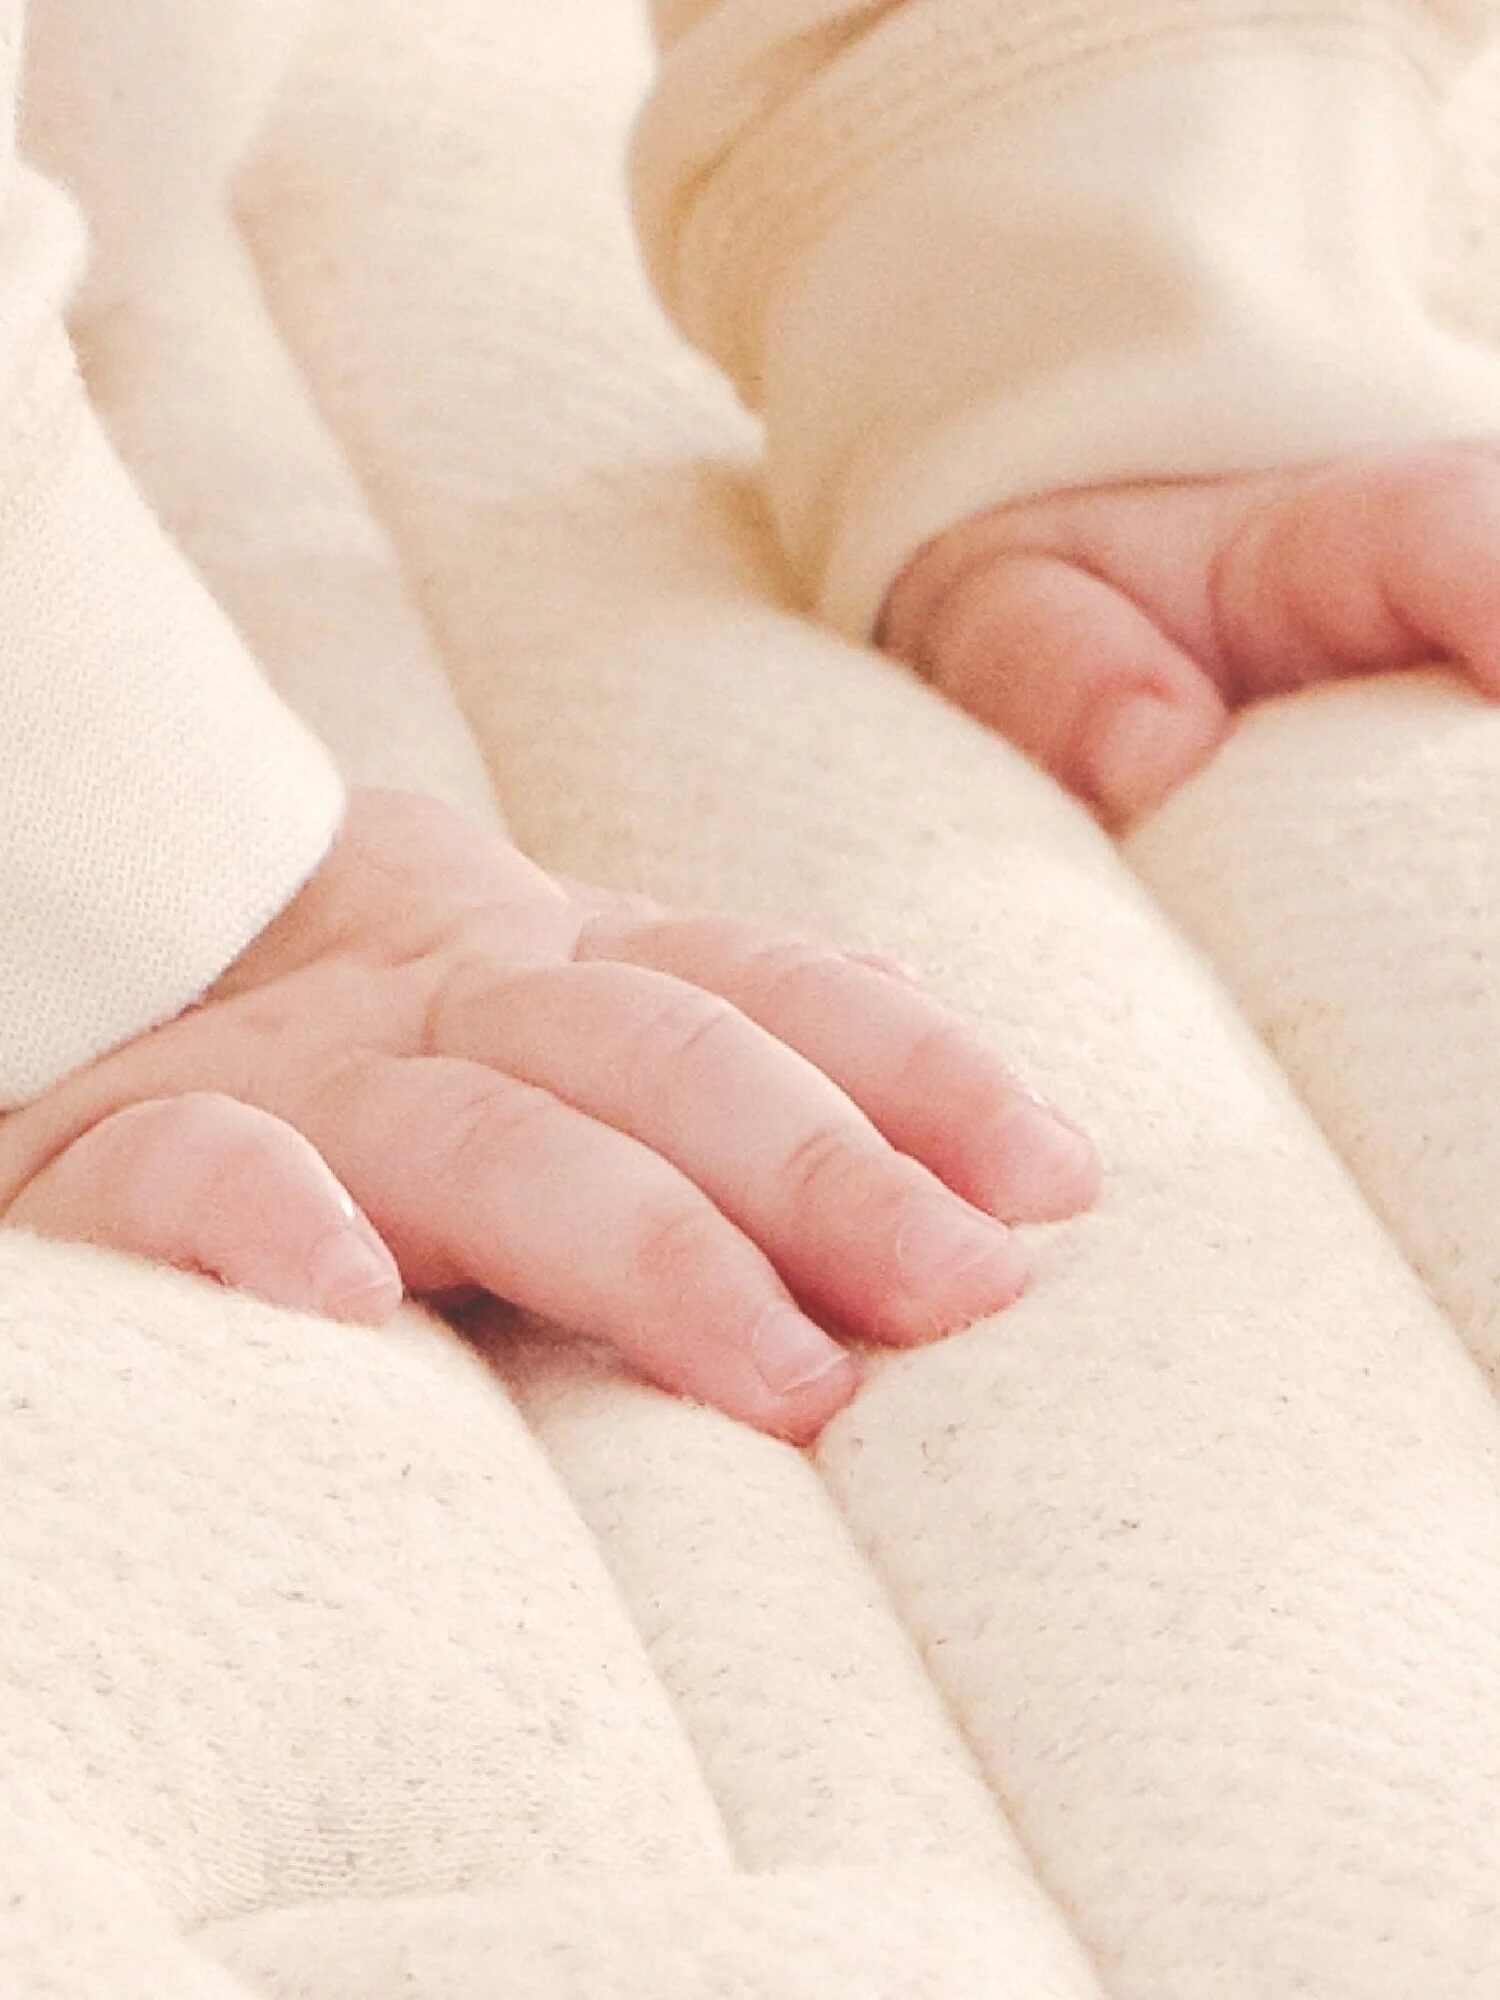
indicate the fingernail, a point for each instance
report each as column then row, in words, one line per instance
column 790, row 1352
column 1050, row 1167
column 940, row 1243
column 348, row 1271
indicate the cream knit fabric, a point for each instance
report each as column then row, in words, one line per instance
column 1141, row 1644
column 159, row 804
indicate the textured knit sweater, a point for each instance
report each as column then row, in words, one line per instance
column 951, row 252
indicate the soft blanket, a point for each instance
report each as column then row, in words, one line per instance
column 1141, row 1644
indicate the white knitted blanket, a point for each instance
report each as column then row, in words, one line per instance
column 1142, row 1644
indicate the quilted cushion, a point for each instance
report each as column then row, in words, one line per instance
column 1140, row 1644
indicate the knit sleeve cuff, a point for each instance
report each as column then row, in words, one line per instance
column 160, row 804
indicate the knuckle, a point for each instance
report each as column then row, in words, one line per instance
column 490, row 1121
column 786, row 965
column 232, row 1145
column 936, row 1052
column 677, row 1240
column 828, row 1153
column 682, row 1029
column 209, row 1122
column 607, row 917
column 215, row 1149
column 459, row 977
column 999, row 594
column 936, row 584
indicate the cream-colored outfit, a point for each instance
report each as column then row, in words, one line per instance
column 1140, row 1644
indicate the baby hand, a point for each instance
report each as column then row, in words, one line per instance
column 1110, row 632
column 657, row 1129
